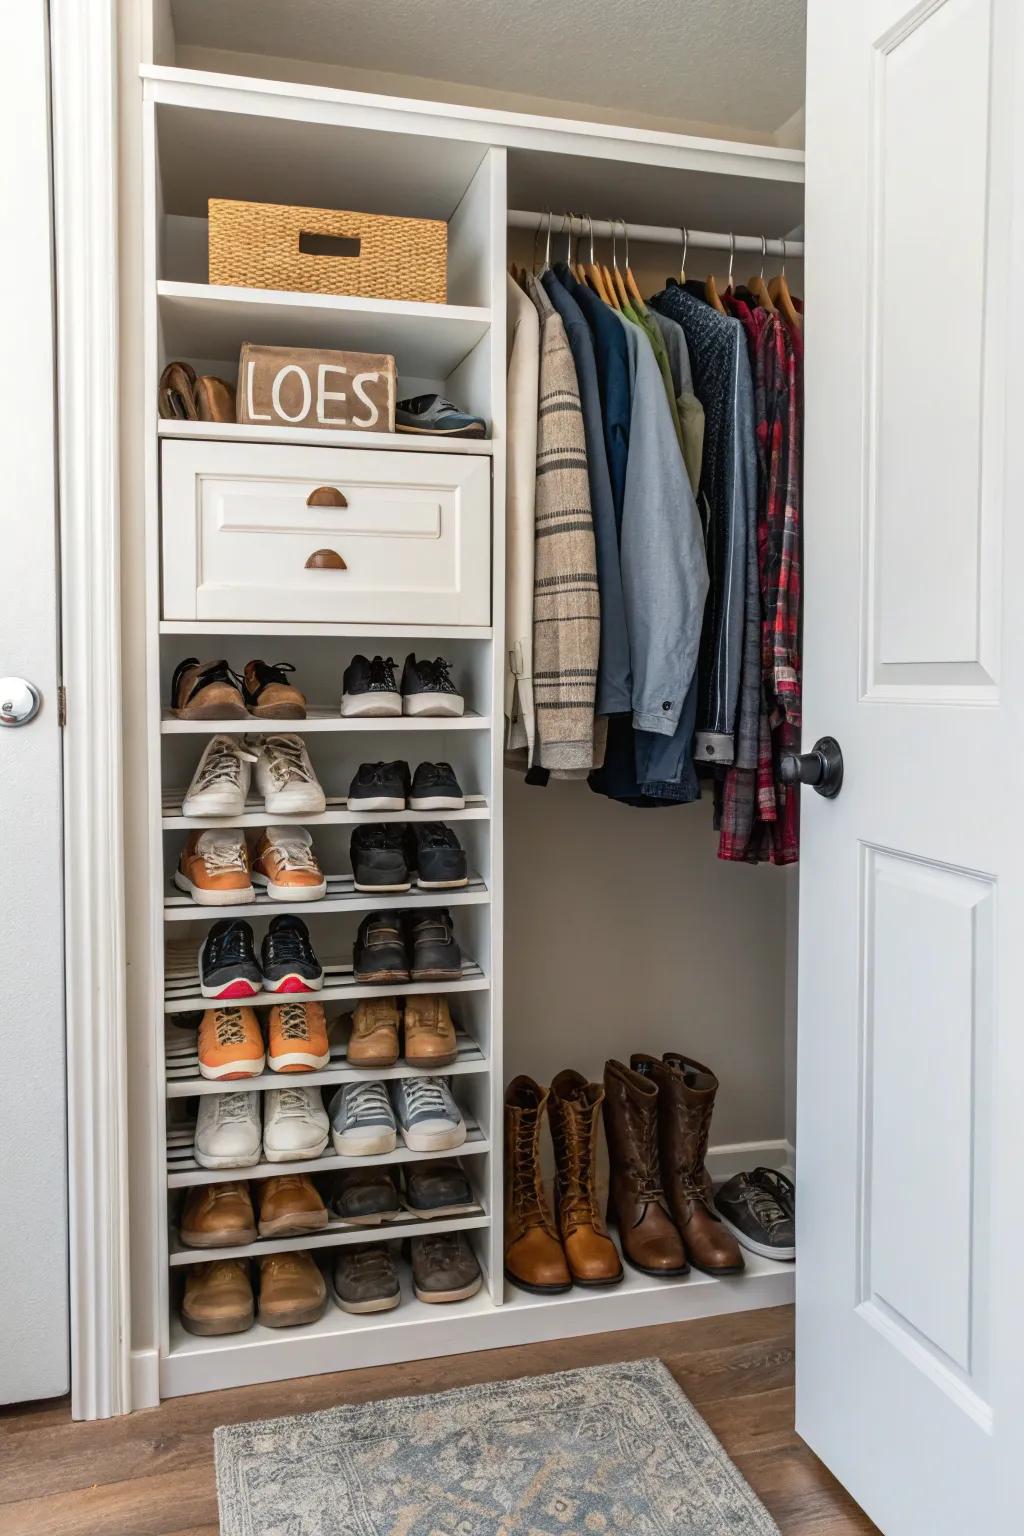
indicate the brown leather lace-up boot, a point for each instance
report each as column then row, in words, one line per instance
column 533, row 1255
column 686, row 1101
column 574, row 1109
column 650, row 1240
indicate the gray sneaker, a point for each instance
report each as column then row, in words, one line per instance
column 362, row 1120
column 435, row 414
column 444, row 1267
column 366, row 1197
column 437, row 1189
column 365, row 1279
column 428, row 1117
column 759, row 1209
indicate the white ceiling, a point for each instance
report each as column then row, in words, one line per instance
column 737, row 63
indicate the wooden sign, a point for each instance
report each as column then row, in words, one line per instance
column 306, row 387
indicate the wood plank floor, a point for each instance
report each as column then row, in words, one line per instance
column 151, row 1473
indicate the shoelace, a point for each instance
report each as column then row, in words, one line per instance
column 426, row 1096
column 772, row 1197
column 381, row 836
column 527, row 1191
column 437, row 674
column 293, row 1101
column 233, row 946
column 230, row 1029
column 234, row 1106
column 223, row 763
column 284, row 756
column 574, row 1147
column 294, row 1022
column 382, row 675
column 294, row 854
column 434, row 773
column 368, row 1259
column 212, row 672
column 288, row 943
column 224, row 854
column 367, row 1102
column 434, row 834
column 374, row 773
column 276, row 672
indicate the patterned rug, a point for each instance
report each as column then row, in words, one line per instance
column 613, row 1450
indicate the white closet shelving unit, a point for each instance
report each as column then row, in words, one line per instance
column 209, row 135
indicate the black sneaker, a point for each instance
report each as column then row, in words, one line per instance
column 365, row 1196
column 437, row 1189
column 379, row 860
column 433, row 947
column 435, row 788
column 369, row 688
column 379, row 951
column 227, row 961
column 759, row 1210
column 427, row 688
column 379, row 787
column 437, row 856
column 287, row 959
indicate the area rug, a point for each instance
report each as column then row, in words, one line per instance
column 612, row 1450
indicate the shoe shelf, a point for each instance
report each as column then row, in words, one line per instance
column 323, row 437
column 182, row 994
column 183, row 1171
column 227, row 629
column 341, row 897
column 185, row 1082
column 336, row 1234
column 337, row 813
column 321, row 719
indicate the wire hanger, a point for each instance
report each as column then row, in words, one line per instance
column 682, row 257
column 758, row 286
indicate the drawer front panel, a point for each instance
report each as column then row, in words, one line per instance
column 404, row 539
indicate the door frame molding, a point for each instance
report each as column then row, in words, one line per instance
column 83, row 84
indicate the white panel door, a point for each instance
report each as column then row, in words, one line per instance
column 33, row 1182
column 910, row 1358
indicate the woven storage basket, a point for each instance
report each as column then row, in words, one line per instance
column 256, row 245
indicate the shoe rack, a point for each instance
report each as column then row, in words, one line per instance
column 230, row 137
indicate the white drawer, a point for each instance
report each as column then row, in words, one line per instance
column 413, row 531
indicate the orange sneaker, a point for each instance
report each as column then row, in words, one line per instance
column 298, row 1038
column 214, row 868
column 230, row 1043
column 283, row 861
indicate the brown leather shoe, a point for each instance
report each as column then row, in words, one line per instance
column 429, row 1033
column 268, row 693
column 534, row 1259
column 217, row 1216
column 649, row 1237
column 574, row 1109
column 206, row 690
column 292, row 1290
column 374, row 1038
column 215, row 398
column 289, row 1205
column 218, row 1297
column 686, row 1099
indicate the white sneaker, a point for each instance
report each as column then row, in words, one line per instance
column 295, row 1125
column 362, row 1120
column 428, row 1117
column 228, row 1130
column 220, row 784
column 286, row 779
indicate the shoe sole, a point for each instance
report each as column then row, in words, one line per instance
column 378, row 803
column 370, row 706
column 374, row 1063
column 442, row 431
column 439, row 704
column 206, row 1328
column 292, row 1226
column 211, row 712
column 236, row 987
column 232, row 1069
column 435, row 1141
column 231, row 1239
column 293, row 982
column 447, row 974
column 213, row 1160
column 596, row 1285
column 436, row 803
column 378, row 1304
column 295, row 1154
column 378, row 1219
column 371, row 978
column 537, row 1290
column 241, row 896
column 209, row 805
column 462, row 1294
column 294, row 1317
column 295, row 805
column 362, row 885
column 442, row 1212
column 299, row 1061
column 428, row 1063
column 290, row 892
column 278, row 712
column 657, row 1274
column 763, row 1250
column 441, row 885
column 364, row 1146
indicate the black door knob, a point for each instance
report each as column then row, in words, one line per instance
column 822, row 768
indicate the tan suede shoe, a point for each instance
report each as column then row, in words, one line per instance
column 289, row 1205
column 217, row 1216
column 213, row 868
column 374, row 1038
column 429, row 1033
column 268, row 693
column 292, row 1290
column 284, row 863
column 218, row 1297
column 206, row 690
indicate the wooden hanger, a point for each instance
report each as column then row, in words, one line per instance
column 618, row 286
column 682, row 257
column 594, row 274
column 632, row 289
column 610, row 295
column 758, row 286
column 711, row 288
column 778, row 288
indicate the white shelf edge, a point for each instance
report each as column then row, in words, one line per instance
column 321, row 437
column 179, row 908
column 293, row 630
column 331, row 1077
column 471, row 315
column 475, row 1145
column 476, row 981
column 476, row 809
column 339, row 1237
column 322, row 720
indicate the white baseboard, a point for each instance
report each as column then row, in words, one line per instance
column 145, row 1378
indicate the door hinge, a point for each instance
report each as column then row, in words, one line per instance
column 62, row 706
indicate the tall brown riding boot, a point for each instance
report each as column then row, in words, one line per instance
column 686, row 1100
column 650, row 1240
column 574, row 1109
column 534, row 1259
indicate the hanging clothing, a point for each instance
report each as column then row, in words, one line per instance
column 613, row 674
column 728, row 494
column 691, row 412
column 566, row 602
column 613, row 379
column 523, row 366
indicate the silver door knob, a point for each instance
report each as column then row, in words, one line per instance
column 19, row 701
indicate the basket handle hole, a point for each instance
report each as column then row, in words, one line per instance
column 311, row 244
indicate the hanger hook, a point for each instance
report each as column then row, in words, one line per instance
column 615, row 237
column 567, row 217
column 682, row 259
column 783, row 240
column 547, row 243
column 536, row 238
column 732, row 257
column 625, row 237
column 764, row 253
column 590, row 221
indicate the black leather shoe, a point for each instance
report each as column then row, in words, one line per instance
column 437, row 856
column 379, row 860
column 433, row 948
column 379, row 951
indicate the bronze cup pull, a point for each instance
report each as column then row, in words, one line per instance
column 326, row 496
column 325, row 560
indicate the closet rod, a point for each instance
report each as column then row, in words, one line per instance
column 656, row 234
